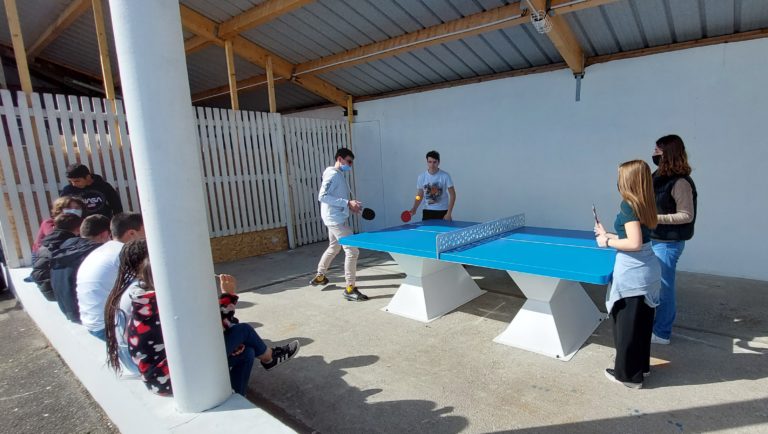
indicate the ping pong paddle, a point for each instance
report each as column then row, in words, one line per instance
column 405, row 216
column 594, row 213
column 368, row 214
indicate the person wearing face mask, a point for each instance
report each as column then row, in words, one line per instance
column 64, row 204
column 66, row 226
column 335, row 208
column 676, row 201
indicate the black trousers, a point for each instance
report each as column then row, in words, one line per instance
column 632, row 328
column 433, row 214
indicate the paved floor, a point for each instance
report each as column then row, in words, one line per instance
column 364, row 370
column 38, row 393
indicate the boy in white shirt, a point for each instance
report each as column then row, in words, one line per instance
column 335, row 207
column 434, row 186
column 98, row 272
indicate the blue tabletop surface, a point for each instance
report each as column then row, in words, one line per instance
column 561, row 253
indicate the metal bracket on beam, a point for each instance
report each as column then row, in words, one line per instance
column 354, row 112
column 578, row 78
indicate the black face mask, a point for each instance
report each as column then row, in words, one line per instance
column 656, row 159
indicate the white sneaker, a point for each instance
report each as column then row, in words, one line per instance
column 657, row 340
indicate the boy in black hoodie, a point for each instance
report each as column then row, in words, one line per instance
column 94, row 231
column 98, row 195
column 66, row 226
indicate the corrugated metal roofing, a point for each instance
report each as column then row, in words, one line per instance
column 325, row 27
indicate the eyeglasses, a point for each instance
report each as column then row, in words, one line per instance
column 349, row 161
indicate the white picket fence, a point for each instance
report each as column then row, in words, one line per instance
column 260, row 170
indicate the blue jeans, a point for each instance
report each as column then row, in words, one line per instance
column 668, row 254
column 101, row 334
column 240, row 366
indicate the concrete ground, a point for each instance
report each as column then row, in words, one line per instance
column 38, row 393
column 363, row 370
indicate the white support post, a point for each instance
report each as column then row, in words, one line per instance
column 150, row 50
column 431, row 288
column 555, row 321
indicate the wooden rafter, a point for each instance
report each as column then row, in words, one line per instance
column 271, row 87
column 101, row 36
column 18, row 46
column 203, row 26
column 257, row 15
column 494, row 19
column 231, row 75
column 223, row 90
column 196, row 43
column 563, row 39
column 70, row 14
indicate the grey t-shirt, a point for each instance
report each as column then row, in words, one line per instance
column 435, row 189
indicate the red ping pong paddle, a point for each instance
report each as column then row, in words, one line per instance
column 405, row 216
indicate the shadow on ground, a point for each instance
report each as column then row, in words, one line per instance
column 351, row 410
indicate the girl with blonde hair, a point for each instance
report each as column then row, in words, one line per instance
column 634, row 291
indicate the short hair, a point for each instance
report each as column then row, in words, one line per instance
column 344, row 153
column 94, row 225
column 67, row 222
column 77, row 171
column 60, row 204
column 124, row 222
column 433, row 154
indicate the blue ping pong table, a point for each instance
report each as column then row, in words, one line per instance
column 547, row 264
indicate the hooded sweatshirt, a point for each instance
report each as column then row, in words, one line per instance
column 64, row 265
column 41, row 269
column 99, row 197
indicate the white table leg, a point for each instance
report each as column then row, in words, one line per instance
column 555, row 321
column 431, row 288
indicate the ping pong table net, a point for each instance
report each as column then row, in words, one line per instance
column 476, row 233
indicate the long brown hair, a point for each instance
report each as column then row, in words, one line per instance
column 636, row 187
column 674, row 159
column 133, row 257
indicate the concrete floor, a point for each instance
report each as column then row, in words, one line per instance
column 38, row 392
column 363, row 370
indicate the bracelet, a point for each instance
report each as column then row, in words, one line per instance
column 607, row 242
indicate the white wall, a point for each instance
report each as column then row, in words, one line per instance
column 524, row 145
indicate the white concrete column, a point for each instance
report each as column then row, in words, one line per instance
column 153, row 72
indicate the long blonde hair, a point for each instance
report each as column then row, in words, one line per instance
column 636, row 187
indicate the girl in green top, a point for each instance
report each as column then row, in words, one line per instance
column 634, row 289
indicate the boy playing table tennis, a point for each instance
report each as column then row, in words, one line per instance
column 335, row 207
column 433, row 186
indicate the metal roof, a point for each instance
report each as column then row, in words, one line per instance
column 325, row 27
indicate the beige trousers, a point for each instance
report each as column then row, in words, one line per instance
column 350, row 253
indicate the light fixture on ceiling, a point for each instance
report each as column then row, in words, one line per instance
column 540, row 19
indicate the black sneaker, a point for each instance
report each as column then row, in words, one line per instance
column 611, row 375
column 320, row 279
column 282, row 354
column 354, row 294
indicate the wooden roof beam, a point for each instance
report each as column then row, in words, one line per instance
column 494, row 19
column 70, row 14
column 257, row 15
column 257, row 80
column 563, row 39
column 196, row 43
column 203, row 26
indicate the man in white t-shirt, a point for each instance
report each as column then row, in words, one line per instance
column 433, row 187
column 98, row 272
